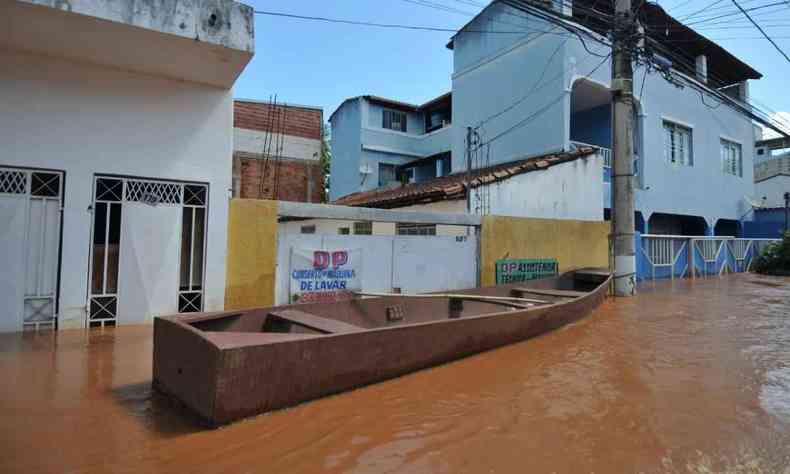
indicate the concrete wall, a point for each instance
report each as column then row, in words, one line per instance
column 252, row 253
column 252, row 141
column 331, row 226
column 509, row 75
column 203, row 41
column 572, row 190
column 593, row 126
column 573, row 243
column 346, row 148
column 85, row 119
column 773, row 190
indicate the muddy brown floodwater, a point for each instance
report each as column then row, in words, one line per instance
column 688, row 376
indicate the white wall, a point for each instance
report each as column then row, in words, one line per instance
column 572, row 190
column 773, row 189
column 415, row 264
column 85, row 119
column 253, row 141
column 331, row 226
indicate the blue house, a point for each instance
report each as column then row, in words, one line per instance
column 378, row 142
column 529, row 87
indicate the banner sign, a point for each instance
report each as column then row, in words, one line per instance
column 523, row 269
column 324, row 275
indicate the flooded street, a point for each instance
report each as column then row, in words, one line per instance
column 688, row 376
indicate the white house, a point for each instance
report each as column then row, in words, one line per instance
column 115, row 171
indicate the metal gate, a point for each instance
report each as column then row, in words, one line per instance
column 147, row 249
column 30, row 219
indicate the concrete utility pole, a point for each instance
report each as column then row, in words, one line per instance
column 623, row 150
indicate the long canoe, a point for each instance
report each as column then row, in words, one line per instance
column 229, row 365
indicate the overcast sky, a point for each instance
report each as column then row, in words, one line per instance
column 314, row 63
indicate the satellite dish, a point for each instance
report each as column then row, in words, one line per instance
column 753, row 202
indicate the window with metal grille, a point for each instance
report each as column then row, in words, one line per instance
column 394, row 120
column 13, row 182
column 678, row 144
column 731, row 158
column 363, row 228
column 308, row 229
column 45, row 184
column 343, row 231
column 415, row 229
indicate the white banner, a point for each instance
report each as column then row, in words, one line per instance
column 324, row 275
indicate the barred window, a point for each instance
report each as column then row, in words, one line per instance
column 415, row 229
column 678, row 144
column 731, row 158
column 308, row 229
column 394, row 120
column 343, row 231
column 363, row 228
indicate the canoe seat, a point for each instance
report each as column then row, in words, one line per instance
column 549, row 292
column 317, row 323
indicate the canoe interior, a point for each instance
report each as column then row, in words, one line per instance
column 372, row 313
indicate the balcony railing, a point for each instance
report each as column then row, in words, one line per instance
column 605, row 153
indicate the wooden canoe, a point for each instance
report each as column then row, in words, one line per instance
column 229, row 365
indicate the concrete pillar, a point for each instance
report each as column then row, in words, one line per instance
column 702, row 68
column 710, row 227
column 743, row 91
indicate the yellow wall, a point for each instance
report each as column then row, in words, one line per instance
column 252, row 253
column 573, row 243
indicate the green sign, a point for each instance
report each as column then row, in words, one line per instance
column 524, row 269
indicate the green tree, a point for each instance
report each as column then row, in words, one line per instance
column 775, row 259
column 326, row 159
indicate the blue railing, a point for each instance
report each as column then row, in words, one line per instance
column 679, row 256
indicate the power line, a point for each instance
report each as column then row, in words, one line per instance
column 761, row 30
column 725, row 15
column 394, row 25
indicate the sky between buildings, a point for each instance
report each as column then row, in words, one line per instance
column 321, row 64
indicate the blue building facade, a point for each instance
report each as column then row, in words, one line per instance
column 544, row 91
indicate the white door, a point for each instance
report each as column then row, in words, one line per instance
column 12, row 238
column 148, row 280
column 30, row 214
column 147, row 249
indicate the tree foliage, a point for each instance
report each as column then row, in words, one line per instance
column 775, row 258
column 326, row 159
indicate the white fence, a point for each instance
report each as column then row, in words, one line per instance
column 670, row 256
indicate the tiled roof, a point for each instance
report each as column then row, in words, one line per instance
column 452, row 186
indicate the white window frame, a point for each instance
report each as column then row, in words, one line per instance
column 686, row 158
column 727, row 145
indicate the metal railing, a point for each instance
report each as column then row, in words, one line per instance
column 670, row 256
column 605, row 153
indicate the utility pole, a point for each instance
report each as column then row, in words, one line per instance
column 787, row 208
column 623, row 224
column 468, row 170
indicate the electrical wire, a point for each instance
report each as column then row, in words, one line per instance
column 541, row 110
column 756, row 25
